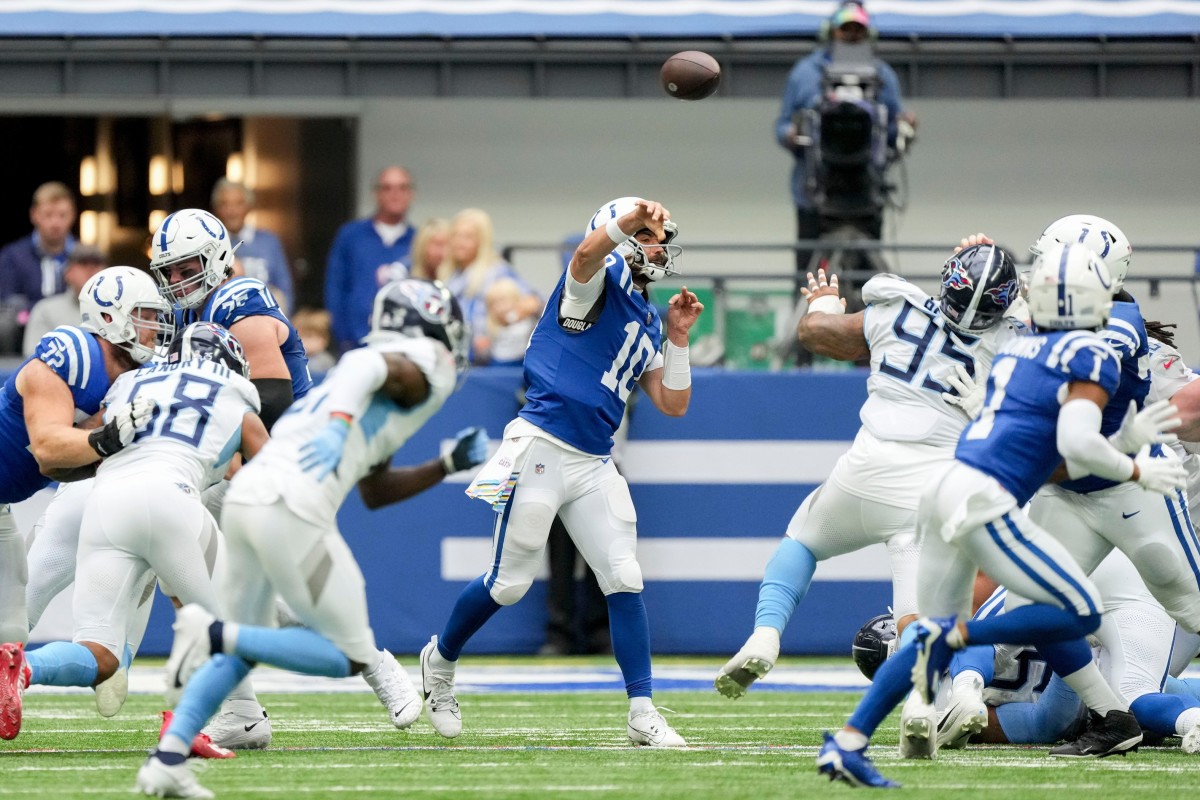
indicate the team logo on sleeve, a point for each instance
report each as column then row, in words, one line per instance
column 1004, row 293
column 955, row 276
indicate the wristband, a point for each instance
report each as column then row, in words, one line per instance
column 341, row 416
column 615, row 233
column 677, row 370
column 448, row 462
column 827, row 304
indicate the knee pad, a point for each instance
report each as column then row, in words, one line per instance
column 506, row 594
column 529, row 522
column 1158, row 564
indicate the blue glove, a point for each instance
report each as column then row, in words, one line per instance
column 470, row 450
column 322, row 453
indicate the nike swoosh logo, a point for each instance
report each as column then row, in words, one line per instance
column 1127, row 516
column 1167, row 364
column 252, row 727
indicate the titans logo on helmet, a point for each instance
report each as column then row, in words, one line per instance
column 1004, row 293
column 956, row 276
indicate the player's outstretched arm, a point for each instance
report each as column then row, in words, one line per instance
column 261, row 337
column 254, row 435
column 670, row 388
column 50, row 420
column 588, row 258
column 385, row 484
column 826, row 329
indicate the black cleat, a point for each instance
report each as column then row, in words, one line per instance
column 1116, row 733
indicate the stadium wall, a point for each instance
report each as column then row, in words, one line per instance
column 714, row 492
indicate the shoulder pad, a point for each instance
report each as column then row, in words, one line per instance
column 887, row 288
column 239, row 298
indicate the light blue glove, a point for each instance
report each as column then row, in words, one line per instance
column 321, row 454
column 470, row 450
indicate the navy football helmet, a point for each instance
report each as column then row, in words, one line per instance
column 873, row 644
column 212, row 343
column 978, row 285
column 420, row 308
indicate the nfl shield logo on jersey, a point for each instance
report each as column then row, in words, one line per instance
column 540, row 469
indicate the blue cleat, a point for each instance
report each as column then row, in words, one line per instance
column 933, row 654
column 851, row 766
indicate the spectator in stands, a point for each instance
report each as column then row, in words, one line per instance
column 63, row 308
column 366, row 254
column 505, row 336
column 32, row 267
column 315, row 333
column 849, row 24
column 471, row 268
column 429, row 249
column 261, row 253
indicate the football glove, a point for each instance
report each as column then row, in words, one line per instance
column 967, row 394
column 122, row 426
column 1161, row 475
column 321, row 454
column 470, row 450
column 1148, row 426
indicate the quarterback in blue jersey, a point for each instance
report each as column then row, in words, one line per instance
column 123, row 320
column 1043, row 405
column 597, row 337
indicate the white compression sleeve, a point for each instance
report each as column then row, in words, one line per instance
column 677, row 369
column 1085, row 450
column 578, row 298
column 360, row 373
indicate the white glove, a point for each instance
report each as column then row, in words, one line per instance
column 122, row 426
column 1148, row 426
column 969, row 395
column 1161, row 475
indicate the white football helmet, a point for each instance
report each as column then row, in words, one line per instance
column 1098, row 235
column 186, row 234
column 109, row 304
column 1070, row 289
column 631, row 249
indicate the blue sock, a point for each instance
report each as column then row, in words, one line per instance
column 1067, row 657
column 1185, row 687
column 981, row 658
column 471, row 611
column 1032, row 624
column 892, row 684
column 126, row 657
column 784, row 584
column 209, row 686
column 62, row 664
column 297, row 649
column 906, row 636
column 1045, row 721
column 1157, row 712
column 630, row 630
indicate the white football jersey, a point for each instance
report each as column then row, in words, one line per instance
column 373, row 437
column 198, row 427
column 912, row 350
column 1168, row 374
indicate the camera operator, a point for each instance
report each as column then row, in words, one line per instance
column 837, row 179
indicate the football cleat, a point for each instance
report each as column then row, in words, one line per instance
column 156, row 778
column 964, row 717
column 437, row 683
column 1116, row 733
column 918, row 728
column 649, row 729
column 933, row 654
column 202, row 745
column 395, row 690
column 190, row 649
column 14, row 677
column 112, row 691
column 1191, row 740
column 851, row 766
column 756, row 658
column 240, row 725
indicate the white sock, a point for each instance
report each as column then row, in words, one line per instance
column 954, row 639
column 850, row 740
column 1187, row 720
column 438, row 662
column 173, row 744
column 380, row 656
column 640, row 705
column 1095, row 693
column 968, row 681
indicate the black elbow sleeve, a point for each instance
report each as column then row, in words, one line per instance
column 275, row 395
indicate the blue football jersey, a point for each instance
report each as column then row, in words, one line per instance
column 239, row 298
column 580, row 372
column 1126, row 334
column 75, row 356
column 1015, row 437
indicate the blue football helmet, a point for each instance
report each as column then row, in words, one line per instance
column 420, row 308
column 212, row 343
column 873, row 644
column 978, row 286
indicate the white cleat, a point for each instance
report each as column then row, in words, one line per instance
column 395, row 690
column 649, row 729
column 964, row 717
column 756, row 658
column 1191, row 740
column 112, row 691
column 918, row 728
column 240, row 725
column 157, row 779
column 438, row 685
column 190, row 649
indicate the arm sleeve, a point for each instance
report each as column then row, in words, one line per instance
column 275, row 395
column 578, row 298
column 1083, row 447
column 359, row 375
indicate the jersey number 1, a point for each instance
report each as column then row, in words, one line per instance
column 616, row 379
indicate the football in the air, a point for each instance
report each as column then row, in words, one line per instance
column 690, row 75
